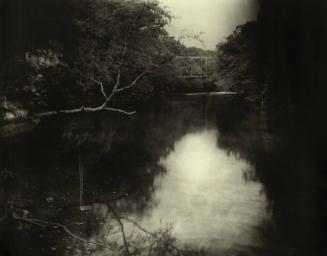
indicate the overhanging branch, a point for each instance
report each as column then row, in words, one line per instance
column 101, row 87
column 133, row 83
column 120, row 111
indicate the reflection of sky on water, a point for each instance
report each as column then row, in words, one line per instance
column 204, row 195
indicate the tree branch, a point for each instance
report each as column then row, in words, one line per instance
column 120, row 111
column 101, row 87
column 118, row 219
column 152, row 234
column 115, row 88
column 133, row 83
column 101, row 107
column 107, row 98
column 83, row 110
column 45, row 224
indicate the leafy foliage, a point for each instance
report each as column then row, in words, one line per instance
column 239, row 62
column 110, row 41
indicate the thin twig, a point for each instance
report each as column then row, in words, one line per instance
column 139, row 227
column 101, row 87
column 152, row 234
column 120, row 111
column 133, row 83
column 44, row 224
column 118, row 219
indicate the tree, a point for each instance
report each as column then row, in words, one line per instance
column 239, row 64
column 27, row 27
column 113, row 46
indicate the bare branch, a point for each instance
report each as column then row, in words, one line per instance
column 124, row 52
column 114, row 90
column 84, row 110
column 120, row 111
column 121, row 63
column 103, row 106
column 118, row 219
column 101, row 87
column 152, row 234
column 45, row 224
column 133, row 83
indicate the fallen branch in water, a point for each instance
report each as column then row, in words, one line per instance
column 83, row 110
column 48, row 224
column 104, row 105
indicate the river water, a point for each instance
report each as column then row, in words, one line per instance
column 178, row 177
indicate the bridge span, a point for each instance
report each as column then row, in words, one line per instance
column 196, row 66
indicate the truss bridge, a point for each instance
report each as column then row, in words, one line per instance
column 196, row 66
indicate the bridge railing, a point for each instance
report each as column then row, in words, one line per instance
column 195, row 66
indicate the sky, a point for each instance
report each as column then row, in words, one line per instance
column 214, row 19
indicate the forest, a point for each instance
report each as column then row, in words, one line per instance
column 54, row 58
column 78, row 72
column 76, row 55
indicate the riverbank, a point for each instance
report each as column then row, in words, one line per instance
column 122, row 159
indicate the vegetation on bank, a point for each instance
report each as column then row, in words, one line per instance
column 53, row 48
column 73, row 56
column 85, row 56
column 59, row 55
column 239, row 66
column 280, row 60
column 277, row 60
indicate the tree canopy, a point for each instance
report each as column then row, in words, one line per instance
column 64, row 54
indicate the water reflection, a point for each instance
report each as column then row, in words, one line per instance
column 206, row 196
column 166, row 167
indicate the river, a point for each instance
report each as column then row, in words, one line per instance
column 179, row 176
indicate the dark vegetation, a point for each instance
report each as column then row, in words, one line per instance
column 55, row 49
column 280, row 58
column 239, row 63
column 49, row 50
column 279, row 63
column 120, row 158
column 55, row 54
